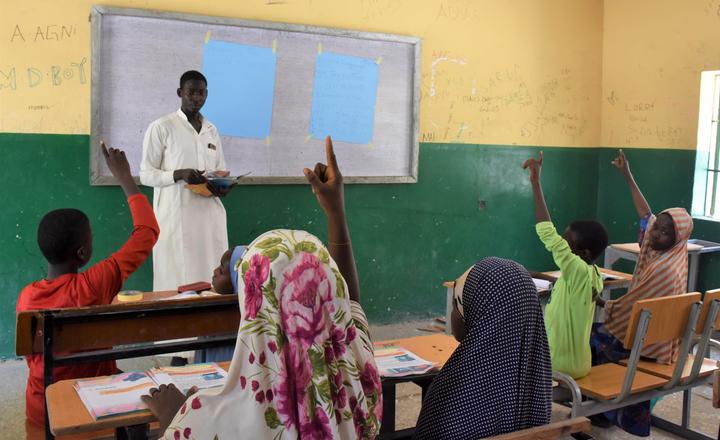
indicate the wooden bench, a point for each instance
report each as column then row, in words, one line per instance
column 120, row 331
column 612, row 386
column 697, row 366
column 555, row 430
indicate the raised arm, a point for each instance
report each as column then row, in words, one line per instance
column 623, row 166
column 327, row 185
column 535, row 166
column 107, row 276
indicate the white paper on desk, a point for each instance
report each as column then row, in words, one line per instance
column 607, row 276
column 542, row 284
column 395, row 361
column 203, row 376
column 112, row 395
column 190, row 294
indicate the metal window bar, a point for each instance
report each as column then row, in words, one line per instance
column 712, row 199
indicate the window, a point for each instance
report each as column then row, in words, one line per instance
column 706, row 191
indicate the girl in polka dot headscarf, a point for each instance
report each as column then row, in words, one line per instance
column 499, row 378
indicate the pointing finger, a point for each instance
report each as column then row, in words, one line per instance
column 330, row 153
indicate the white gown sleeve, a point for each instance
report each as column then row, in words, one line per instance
column 151, row 173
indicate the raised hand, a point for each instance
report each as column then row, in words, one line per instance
column 621, row 163
column 535, row 166
column 327, row 182
column 116, row 161
column 120, row 168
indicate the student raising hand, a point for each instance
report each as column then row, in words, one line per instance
column 621, row 163
column 327, row 182
column 535, row 166
column 327, row 185
column 120, row 168
column 641, row 205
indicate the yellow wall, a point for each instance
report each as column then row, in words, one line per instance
column 653, row 53
column 522, row 72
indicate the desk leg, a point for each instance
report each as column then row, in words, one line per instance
column 611, row 256
column 693, row 267
column 134, row 432
column 687, row 401
column 388, row 421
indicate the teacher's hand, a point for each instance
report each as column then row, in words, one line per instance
column 189, row 175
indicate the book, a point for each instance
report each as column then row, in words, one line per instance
column 202, row 376
column 542, row 285
column 119, row 394
column 393, row 361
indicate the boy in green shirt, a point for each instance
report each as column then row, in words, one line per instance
column 569, row 315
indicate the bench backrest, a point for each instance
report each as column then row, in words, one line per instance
column 710, row 296
column 669, row 318
column 98, row 327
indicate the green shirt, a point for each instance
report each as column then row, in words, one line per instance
column 569, row 315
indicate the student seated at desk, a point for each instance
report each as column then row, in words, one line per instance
column 303, row 365
column 65, row 239
column 569, row 315
column 224, row 282
column 499, row 378
column 661, row 270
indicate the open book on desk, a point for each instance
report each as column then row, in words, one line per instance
column 120, row 394
column 393, row 361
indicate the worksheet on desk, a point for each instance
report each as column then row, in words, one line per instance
column 395, row 361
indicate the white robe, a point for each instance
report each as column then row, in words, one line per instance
column 193, row 228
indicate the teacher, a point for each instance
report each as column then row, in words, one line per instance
column 177, row 150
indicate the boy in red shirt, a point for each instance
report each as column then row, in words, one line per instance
column 65, row 239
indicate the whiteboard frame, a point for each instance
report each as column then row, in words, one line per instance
column 96, row 16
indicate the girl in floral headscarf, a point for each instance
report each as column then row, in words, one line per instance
column 303, row 365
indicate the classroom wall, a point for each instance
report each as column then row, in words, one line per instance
column 499, row 80
column 529, row 75
column 653, row 54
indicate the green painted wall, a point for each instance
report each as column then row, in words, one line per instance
column 407, row 238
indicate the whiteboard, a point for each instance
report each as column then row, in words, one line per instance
column 139, row 55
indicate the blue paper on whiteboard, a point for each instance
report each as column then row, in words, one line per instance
column 241, row 83
column 344, row 94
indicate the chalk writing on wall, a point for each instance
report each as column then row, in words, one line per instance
column 42, row 33
column 524, row 107
column 13, row 78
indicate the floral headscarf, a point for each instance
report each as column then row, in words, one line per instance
column 303, row 365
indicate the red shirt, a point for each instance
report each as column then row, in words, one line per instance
column 96, row 286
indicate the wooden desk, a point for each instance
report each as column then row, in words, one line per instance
column 157, row 296
column 68, row 415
